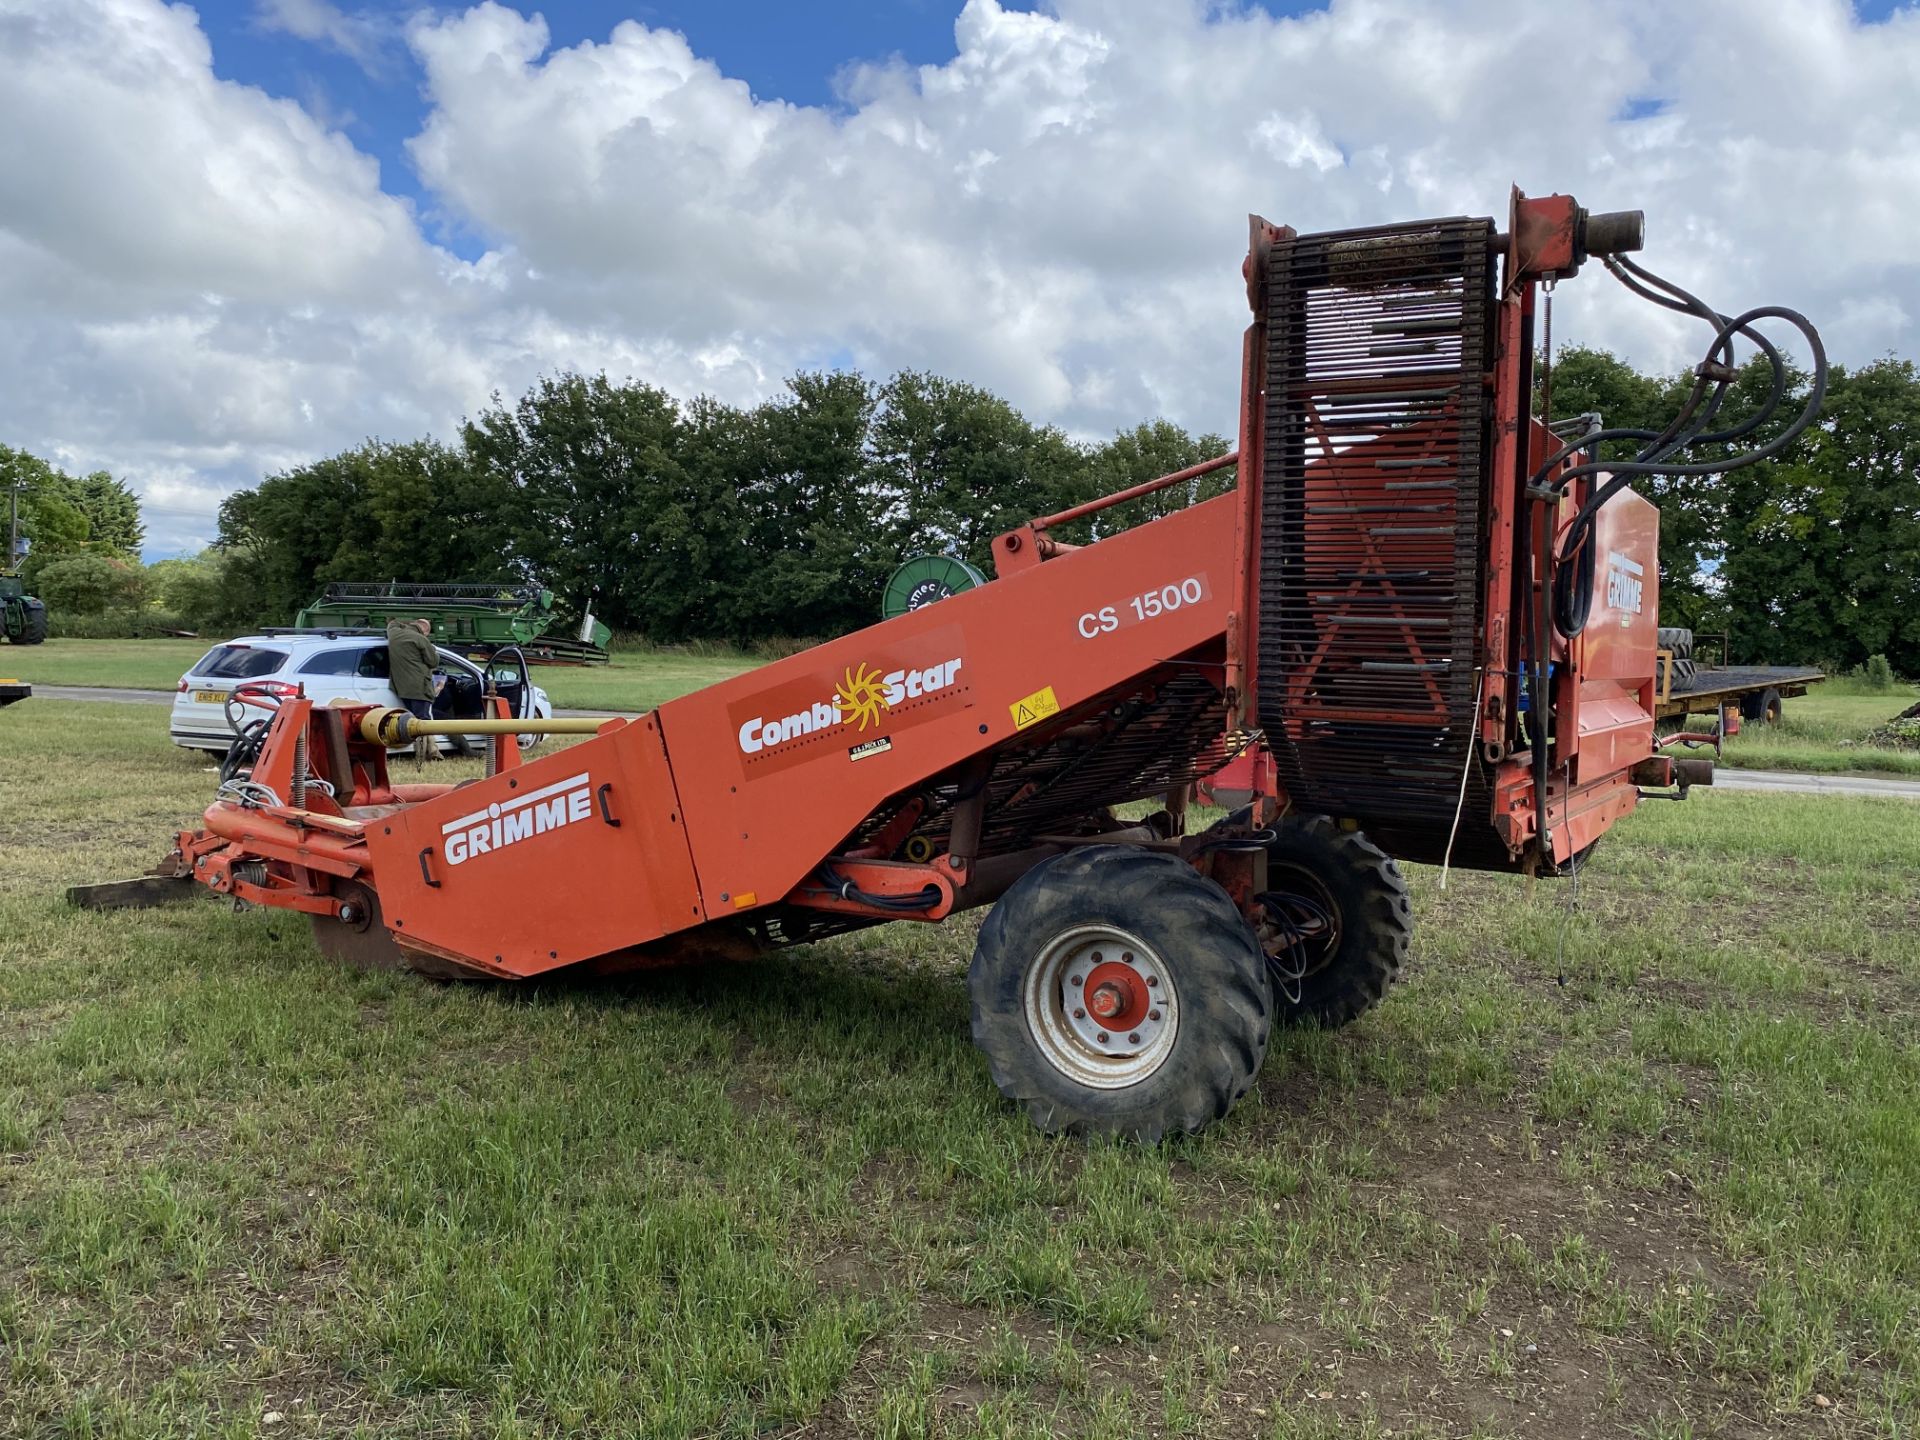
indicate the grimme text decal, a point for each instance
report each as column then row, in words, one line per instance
column 510, row 821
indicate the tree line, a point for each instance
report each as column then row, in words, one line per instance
column 84, row 531
column 683, row 520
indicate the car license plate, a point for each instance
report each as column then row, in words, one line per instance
column 211, row 697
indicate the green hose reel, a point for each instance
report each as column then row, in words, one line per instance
column 925, row 579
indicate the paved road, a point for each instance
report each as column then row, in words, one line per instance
column 88, row 692
column 1724, row 779
column 1793, row 784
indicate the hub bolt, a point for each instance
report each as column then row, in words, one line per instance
column 1079, row 1014
column 1134, row 1039
column 1102, row 1037
column 1096, row 957
column 1153, row 1014
column 1073, row 979
column 1153, row 979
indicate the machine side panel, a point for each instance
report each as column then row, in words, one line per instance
column 779, row 766
column 1618, row 647
column 567, row 857
column 1622, row 632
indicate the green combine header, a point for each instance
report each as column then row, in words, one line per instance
column 477, row 618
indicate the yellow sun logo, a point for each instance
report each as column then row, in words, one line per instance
column 863, row 696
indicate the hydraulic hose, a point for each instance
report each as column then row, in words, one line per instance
column 920, row 900
column 1574, row 564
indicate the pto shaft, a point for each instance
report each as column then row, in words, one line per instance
column 398, row 727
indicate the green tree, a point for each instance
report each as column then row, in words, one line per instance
column 297, row 529
column 1823, row 544
column 811, row 558
column 418, row 511
column 201, row 591
column 953, row 466
column 610, row 509
column 1146, row 452
column 51, row 525
column 90, row 584
column 114, row 523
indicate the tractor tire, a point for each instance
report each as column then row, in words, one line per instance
column 1680, row 642
column 1358, row 885
column 1763, row 708
column 1165, row 947
column 31, row 625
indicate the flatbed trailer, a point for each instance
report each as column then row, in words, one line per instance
column 1758, row 690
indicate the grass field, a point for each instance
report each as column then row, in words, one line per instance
column 1648, row 1167
column 1815, row 730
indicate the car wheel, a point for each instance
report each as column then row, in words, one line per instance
column 531, row 742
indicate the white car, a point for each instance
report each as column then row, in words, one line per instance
column 330, row 665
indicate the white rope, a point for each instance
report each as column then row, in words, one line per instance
column 1460, row 805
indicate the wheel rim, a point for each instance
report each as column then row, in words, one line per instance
column 1102, row 1006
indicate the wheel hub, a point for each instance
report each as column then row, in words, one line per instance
column 1101, row 1006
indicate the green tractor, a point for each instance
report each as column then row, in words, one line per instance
column 23, row 617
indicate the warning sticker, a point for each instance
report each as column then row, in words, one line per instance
column 1041, row 705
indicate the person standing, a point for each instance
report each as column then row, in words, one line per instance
column 411, row 660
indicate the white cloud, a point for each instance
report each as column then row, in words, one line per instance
column 199, row 283
column 366, row 37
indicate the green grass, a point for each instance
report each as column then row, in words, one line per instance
column 639, row 679
column 635, row 680
column 1820, row 732
column 1664, row 1131
column 128, row 664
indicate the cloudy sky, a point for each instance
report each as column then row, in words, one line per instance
column 239, row 235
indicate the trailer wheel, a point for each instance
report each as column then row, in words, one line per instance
column 1763, row 708
column 1119, row 992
